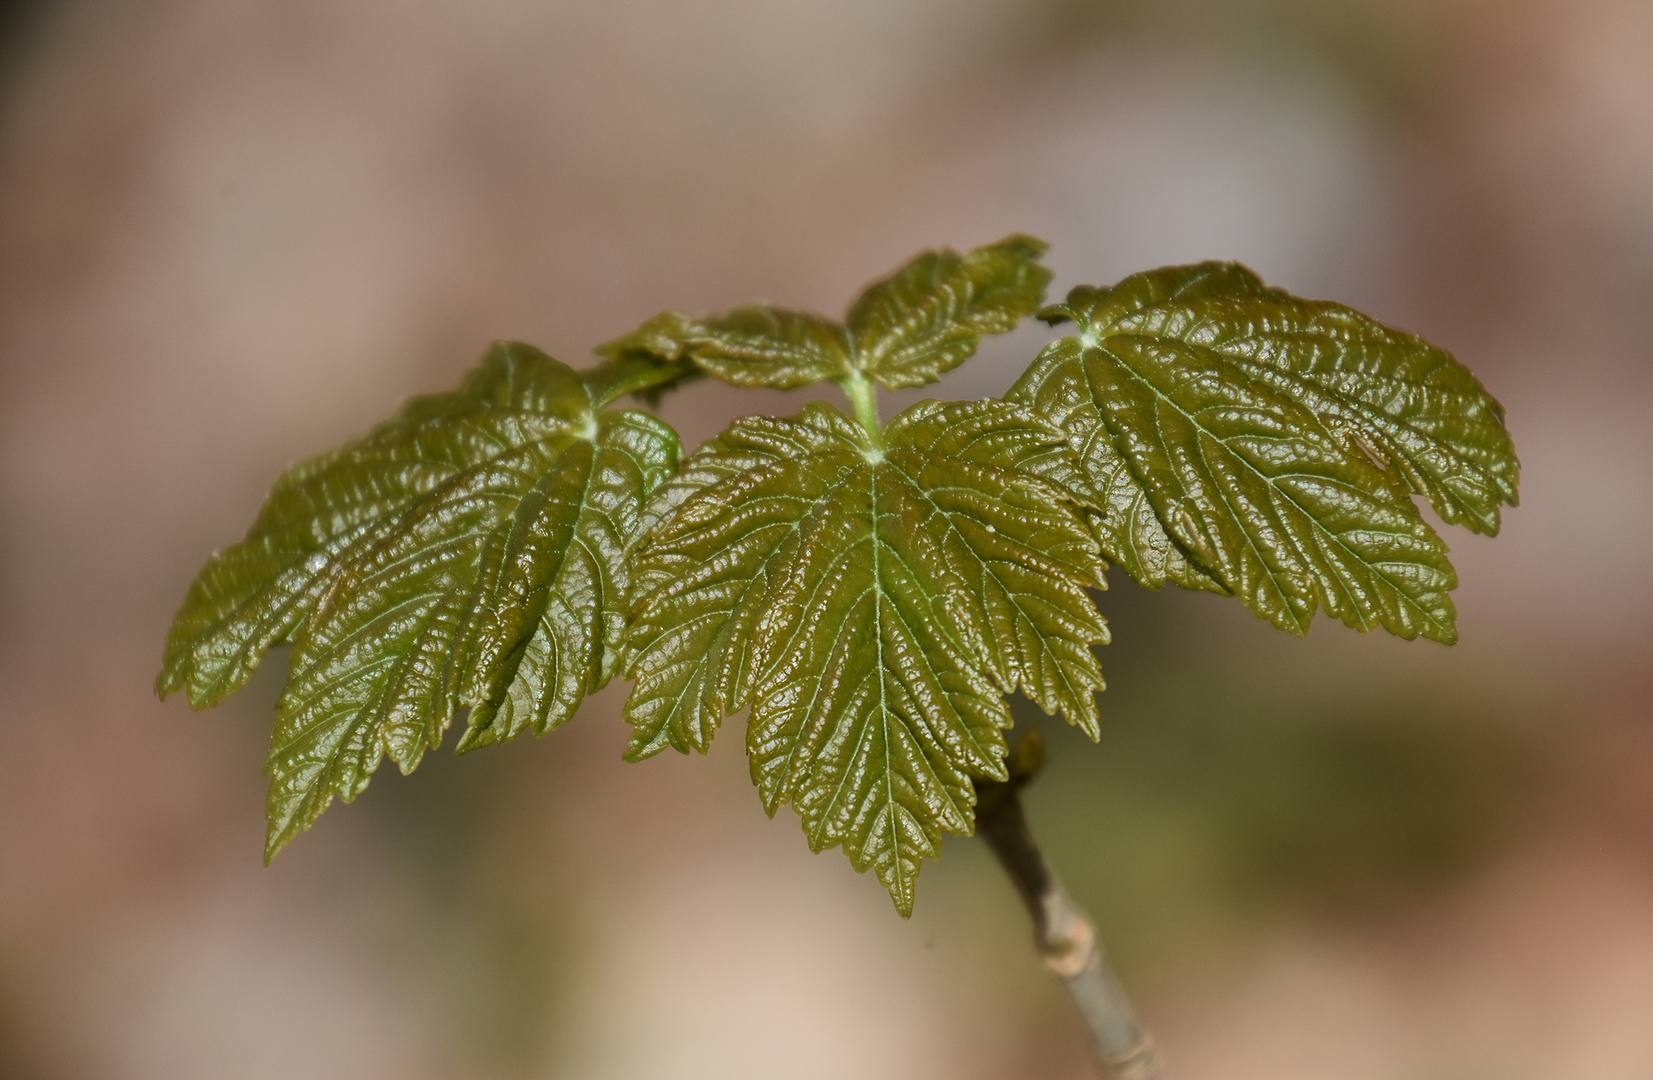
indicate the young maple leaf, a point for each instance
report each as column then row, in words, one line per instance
column 904, row 330
column 1240, row 439
column 473, row 550
column 871, row 600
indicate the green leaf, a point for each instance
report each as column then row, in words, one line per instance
column 754, row 345
column 904, row 330
column 472, row 551
column 870, row 601
column 928, row 317
column 1406, row 404
column 1240, row 439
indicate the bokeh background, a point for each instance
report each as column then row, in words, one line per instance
column 234, row 233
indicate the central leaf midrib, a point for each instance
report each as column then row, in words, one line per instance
column 879, row 673
column 878, row 595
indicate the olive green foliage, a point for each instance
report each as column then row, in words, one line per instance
column 872, row 604
column 868, row 591
column 906, row 330
column 1240, row 439
column 473, row 550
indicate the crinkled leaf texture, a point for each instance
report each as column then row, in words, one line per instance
column 904, row 330
column 871, row 601
column 472, row 551
column 1240, row 439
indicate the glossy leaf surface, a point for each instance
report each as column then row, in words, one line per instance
column 1240, row 439
column 871, row 604
column 471, row 551
column 751, row 346
column 904, row 330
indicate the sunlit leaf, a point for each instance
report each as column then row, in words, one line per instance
column 753, row 345
column 1238, row 438
column 871, row 604
column 472, row 551
column 868, row 595
column 904, row 330
column 929, row 316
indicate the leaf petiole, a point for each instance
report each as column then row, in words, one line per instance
column 863, row 399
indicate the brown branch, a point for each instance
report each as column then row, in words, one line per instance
column 1065, row 937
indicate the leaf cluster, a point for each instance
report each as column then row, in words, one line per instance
column 868, row 592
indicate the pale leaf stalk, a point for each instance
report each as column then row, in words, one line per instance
column 1066, row 938
column 863, row 399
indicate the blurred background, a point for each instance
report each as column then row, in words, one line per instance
column 235, row 233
